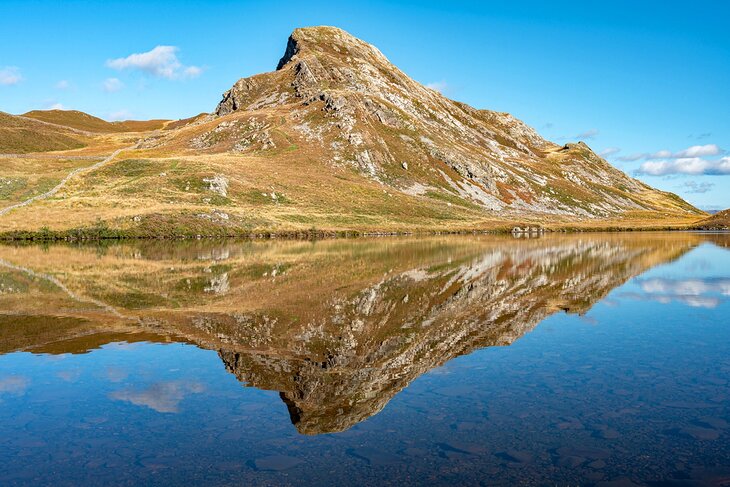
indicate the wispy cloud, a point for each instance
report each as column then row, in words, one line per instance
column 192, row 71
column 440, row 86
column 10, row 75
column 588, row 134
column 585, row 135
column 704, row 135
column 637, row 156
column 609, row 151
column 695, row 187
column 162, row 61
column 13, row 384
column 688, row 165
column 112, row 85
column 63, row 85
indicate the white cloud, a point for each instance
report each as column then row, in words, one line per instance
column 686, row 165
column 440, row 86
column 63, row 85
column 192, row 71
column 162, row 61
column 609, row 151
column 122, row 114
column 689, row 152
column 10, row 75
column 112, row 85
column 699, row 151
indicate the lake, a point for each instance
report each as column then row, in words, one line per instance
column 590, row 359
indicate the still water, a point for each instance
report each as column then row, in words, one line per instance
column 561, row 360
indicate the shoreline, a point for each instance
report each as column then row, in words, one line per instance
column 101, row 232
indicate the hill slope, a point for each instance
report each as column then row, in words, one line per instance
column 20, row 135
column 336, row 139
column 718, row 221
column 83, row 121
column 351, row 108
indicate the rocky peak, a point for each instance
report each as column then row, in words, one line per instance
column 328, row 41
column 355, row 109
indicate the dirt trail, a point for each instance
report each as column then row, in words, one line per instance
column 68, row 177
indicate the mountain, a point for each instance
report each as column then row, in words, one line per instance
column 355, row 109
column 337, row 327
column 336, row 139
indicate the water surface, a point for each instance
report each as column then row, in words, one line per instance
column 562, row 360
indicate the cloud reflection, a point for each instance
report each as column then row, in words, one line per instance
column 14, row 384
column 163, row 397
column 697, row 293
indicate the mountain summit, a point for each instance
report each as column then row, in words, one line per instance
column 337, row 138
column 357, row 110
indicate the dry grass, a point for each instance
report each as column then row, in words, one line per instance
column 718, row 221
column 22, row 136
column 145, row 192
column 83, row 121
column 163, row 191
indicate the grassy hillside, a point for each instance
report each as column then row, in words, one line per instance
column 718, row 221
column 83, row 121
column 20, row 135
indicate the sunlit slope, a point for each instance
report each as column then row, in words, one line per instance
column 20, row 135
column 337, row 139
column 718, row 221
column 83, row 121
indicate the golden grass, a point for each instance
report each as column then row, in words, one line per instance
column 83, row 121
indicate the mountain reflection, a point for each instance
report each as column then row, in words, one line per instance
column 337, row 327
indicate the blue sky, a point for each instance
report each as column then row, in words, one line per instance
column 646, row 83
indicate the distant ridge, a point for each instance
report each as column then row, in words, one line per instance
column 21, row 135
column 717, row 221
column 83, row 121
